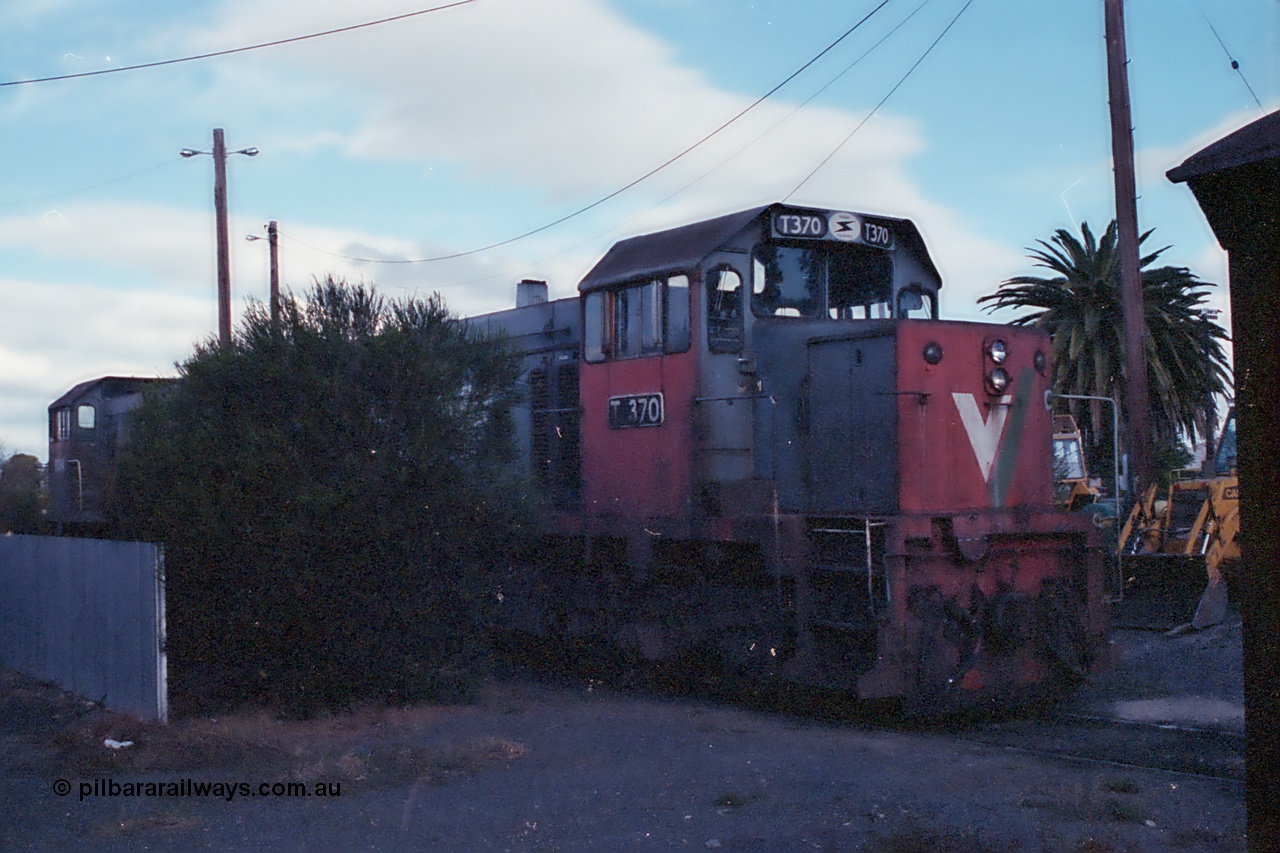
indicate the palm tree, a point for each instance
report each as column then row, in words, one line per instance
column 1080, row 308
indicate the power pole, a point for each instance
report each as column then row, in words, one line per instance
column 219, row 153
column 273, row 246
column 224, row 247
column 1140, row 454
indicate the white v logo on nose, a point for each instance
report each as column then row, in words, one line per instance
column 984, row 433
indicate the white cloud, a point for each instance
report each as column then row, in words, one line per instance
column 157, row 240
column 563, row 96
column 58, row 333
column 562, row 100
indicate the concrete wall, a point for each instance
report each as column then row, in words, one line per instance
column 88, row 615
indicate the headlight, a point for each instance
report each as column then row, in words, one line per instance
column 998, row 351
column 997, row 380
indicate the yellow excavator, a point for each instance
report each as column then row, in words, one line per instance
column 1191, row 529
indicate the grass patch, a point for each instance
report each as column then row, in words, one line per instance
column 729, row 801
column 1122, row 812
column 1121, row 786
column 922, row 839
column 372, row 745
column 168, row 822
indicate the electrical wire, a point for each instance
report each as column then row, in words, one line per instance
column 883, row 100
column 1234, row 64
column 714, row 168
column 797, row 109
column 649, row 174
column 705, row 174
column 90, row 187
column 235, row 50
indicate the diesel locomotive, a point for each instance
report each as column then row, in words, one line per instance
column 88, row 427
column 755, row 437
column 752, row 437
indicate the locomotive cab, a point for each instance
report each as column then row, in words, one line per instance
column 688, row 384
column 88, row 427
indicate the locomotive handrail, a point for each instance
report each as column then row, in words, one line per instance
column 731, row 398
column 79, row 484
column 867, row 523
column 922, row 396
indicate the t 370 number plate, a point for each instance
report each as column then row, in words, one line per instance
column 635, row 410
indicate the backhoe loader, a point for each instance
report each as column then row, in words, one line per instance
column 1189, row 533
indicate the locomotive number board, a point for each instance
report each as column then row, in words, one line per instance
column 636, row 410
column 838, row 225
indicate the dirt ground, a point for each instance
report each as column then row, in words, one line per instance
column 543, row 763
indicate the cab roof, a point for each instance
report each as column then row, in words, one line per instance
column 114, row 386
column 682, row 249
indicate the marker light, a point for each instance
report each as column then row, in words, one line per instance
column 998, row 380
column 933, row 352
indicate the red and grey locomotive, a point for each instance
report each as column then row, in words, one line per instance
column 755, row 437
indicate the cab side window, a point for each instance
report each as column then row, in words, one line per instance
column 724, row 310
column 596, row 340
column 638, row 314
column 638, row 320
column 60, row 424
column 915, row 301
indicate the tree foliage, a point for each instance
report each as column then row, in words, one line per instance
column 1080, row 307
column 330, row 493
column 22, row 494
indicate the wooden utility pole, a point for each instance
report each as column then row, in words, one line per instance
column 273, row 246
column 219, row 153
column 224, row 247
column 1135, row 356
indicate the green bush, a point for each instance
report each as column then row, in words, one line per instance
column 331, row 494
column 22, row 494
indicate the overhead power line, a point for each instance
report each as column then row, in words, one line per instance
column 1234, row 64
column 234, row 50
column 65, row 193
column 883, row 100
column 649, row 174
column 726, row 160
column 798, row 106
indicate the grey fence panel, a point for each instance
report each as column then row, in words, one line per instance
column 88, row 615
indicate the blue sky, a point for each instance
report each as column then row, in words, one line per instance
column 453, row 130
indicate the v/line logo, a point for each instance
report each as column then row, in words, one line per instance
column 984, row 433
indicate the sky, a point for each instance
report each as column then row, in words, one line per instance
column 460, row 131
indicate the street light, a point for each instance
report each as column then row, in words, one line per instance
column 219, row 153
column 273, row 244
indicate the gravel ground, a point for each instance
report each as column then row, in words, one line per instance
column 1196, row 678
column 569, row 765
